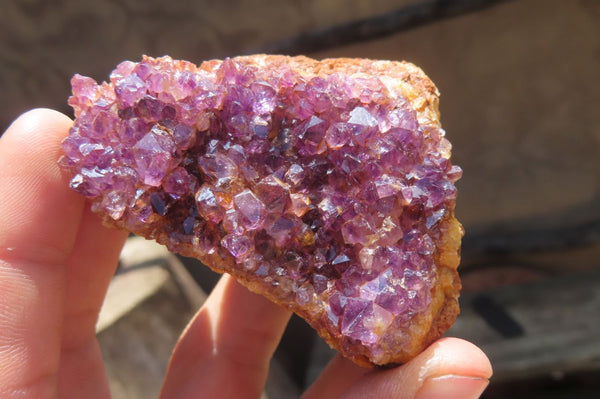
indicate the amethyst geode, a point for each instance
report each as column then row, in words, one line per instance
column 325, row 186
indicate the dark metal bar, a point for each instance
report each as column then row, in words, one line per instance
column 496, row 316
column 531, row 241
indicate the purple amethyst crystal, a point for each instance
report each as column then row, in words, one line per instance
column 331, row 192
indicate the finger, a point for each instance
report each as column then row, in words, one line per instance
column 58, row 259
column 226, row 349
column 335, row 378
column 451, row 368
column 40, row 216
column 89, row 270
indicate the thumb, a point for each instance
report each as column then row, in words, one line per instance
column 451, row 368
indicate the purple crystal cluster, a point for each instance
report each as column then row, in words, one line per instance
column 324, row 189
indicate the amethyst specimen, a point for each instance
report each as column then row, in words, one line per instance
column 325, row 186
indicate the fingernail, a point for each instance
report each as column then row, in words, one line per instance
column 452, row 387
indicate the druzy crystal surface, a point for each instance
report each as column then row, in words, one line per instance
column 323, row 191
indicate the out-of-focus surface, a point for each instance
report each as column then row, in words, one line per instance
column 520, row 92
column 45, row 42
column 518, row 80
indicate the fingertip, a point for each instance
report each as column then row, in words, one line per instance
column 446, row 360
column 38, row 123
column 452, row 368
column 39, row 211
column 458, row 357
column 34, row 137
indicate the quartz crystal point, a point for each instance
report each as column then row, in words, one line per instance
column 325, row 186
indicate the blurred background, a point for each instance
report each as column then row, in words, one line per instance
column 520, row 84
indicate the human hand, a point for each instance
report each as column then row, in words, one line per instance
column 56, row 261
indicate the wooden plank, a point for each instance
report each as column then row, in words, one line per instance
column 142, row 271
column 138, row 326
column 560, row 318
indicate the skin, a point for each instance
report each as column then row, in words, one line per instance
column 56, row 261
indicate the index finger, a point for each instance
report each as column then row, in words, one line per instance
column 39, row 220
column 40, row 214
